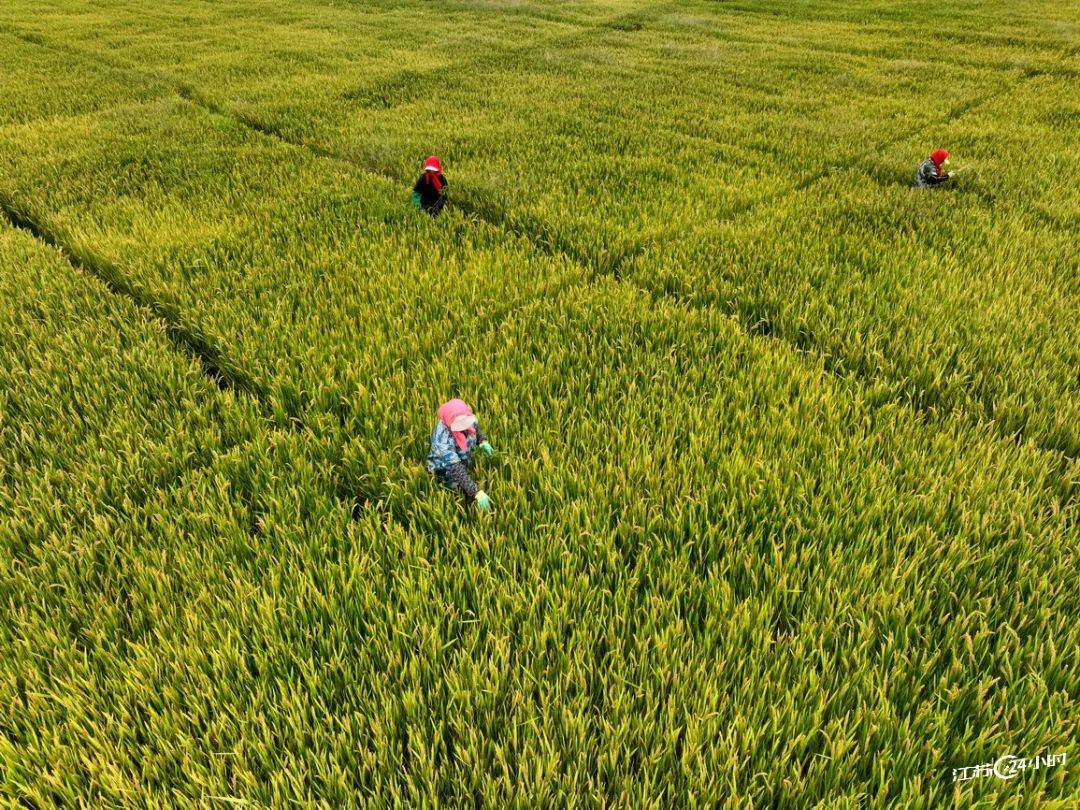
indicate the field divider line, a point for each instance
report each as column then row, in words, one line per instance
column 119, row 70
column 924, row 402
column 184, row 340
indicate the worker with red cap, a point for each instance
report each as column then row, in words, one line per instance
column 429, row 193
column 456, row 435
column 934, row 171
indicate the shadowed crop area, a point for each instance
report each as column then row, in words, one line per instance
column 786, row 451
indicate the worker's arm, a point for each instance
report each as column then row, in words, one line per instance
column 416, row 199
column 462, row 480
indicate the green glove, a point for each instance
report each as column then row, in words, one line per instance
column 487, row 448
column 483, row 502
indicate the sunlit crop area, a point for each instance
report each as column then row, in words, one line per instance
column 786, row 451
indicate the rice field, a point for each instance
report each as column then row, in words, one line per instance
column 784, row 489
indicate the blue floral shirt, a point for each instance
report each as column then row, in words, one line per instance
column 444, row 451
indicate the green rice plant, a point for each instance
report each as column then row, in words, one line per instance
column 418, row 654
column 964, row 299
column 174, row 221
column 728, row 563
column 98, row 413
column 136, row 494
column 73, row 88
column 143, row 650
column 640, row 493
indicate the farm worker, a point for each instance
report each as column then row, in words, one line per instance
column 429, row 193
column 453, row 441
column 934, row 170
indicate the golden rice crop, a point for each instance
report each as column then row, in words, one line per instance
column 72, row 88
column 763, row 533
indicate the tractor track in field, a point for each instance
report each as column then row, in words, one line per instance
column 182, row 339
column 923, row 402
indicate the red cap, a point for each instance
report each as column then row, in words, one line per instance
column 939, row 157
column 432, row 164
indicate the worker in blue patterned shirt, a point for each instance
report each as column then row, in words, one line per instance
column 453, row 441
